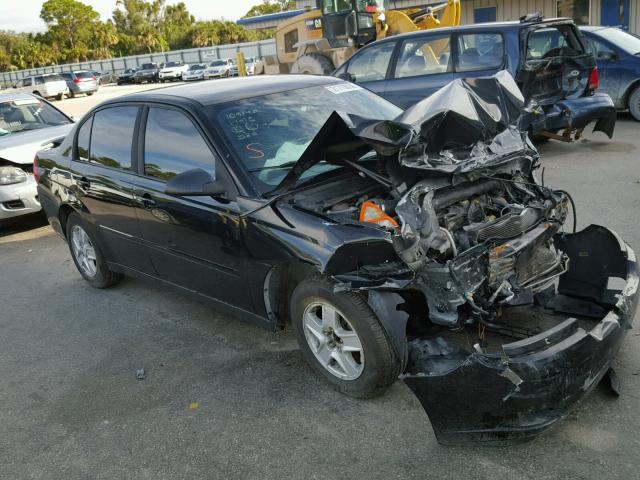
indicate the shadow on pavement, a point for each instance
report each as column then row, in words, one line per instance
column 21, row 224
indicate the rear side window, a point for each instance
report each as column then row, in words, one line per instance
column 479, row 51
column 27, row 82
column 372, row 63
column 38, row 81
column 52, row 78
column 112, row 136
column 84, row 137
column 554, row 41
column 425, row 56
column 290, row 39
column 173, row 145
column 66, row 76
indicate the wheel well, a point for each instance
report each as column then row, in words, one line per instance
column 629, row 91
column 63, row 215
column 279, row 285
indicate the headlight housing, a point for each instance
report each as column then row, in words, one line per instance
column 11, row 175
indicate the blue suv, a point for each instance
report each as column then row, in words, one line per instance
column 618, row 56
column 547, row 57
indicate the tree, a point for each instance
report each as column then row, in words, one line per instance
column 70, row 25
column 266, row 7
column 177, row 23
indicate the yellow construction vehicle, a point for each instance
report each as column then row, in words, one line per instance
column 320, row 40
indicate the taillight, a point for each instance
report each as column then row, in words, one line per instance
column 594, row 79
column 76, row 80
column 93, row 78
column 35, row 169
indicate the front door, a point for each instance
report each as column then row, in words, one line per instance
column 369, row 67
column 194, row 242
column 614, row 13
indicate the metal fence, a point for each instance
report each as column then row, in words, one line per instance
column 117, row 65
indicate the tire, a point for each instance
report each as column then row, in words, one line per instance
column 634, row 104
column 37, row 93
column 370, row 371
column 100, row 276
column 90, row 93
column 71, row 94
column 60, row 97
column 313, row 64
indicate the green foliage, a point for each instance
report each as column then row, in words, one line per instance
column 267, row 7
column 75, row 32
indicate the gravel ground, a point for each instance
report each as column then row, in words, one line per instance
column 224, row 399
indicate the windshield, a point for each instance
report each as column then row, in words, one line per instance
column 28, row 114
column 148, row 66
column 621, row 39
column 173, row 64
column 371, row 6
column 218, row 63
column 268, row 134
column 196, row 67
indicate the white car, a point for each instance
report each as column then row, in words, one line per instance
column 218, row 69
column 172, row 71
column 250, row 65
column 27, row 124
column 195, row 72
column 48, row 85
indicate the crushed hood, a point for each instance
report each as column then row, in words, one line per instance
column 466, row 125
column 20, row 148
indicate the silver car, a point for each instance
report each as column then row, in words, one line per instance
column 80, row 81
column 27, row 124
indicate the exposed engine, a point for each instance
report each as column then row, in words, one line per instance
column 475, row 246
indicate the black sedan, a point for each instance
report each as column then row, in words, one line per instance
column 414, row 244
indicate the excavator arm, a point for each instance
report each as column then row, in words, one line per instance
column 394, row 22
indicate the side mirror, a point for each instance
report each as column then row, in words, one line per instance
column 346, row 76
column 607, row 55
column 195, row 183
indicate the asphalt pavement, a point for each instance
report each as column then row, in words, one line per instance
column 225, row 399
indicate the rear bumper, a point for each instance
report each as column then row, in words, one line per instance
column 515, row 394
column 19, row 199
column 576, row 114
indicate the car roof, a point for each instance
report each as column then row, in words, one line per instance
column 229, row 89
column 593, row 28
column 505, row 25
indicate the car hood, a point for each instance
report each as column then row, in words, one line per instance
column 469, row 124
column 171, row 70
column 21, row 148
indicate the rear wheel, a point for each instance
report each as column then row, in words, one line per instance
column 342, row 339
column 90, row 93
column 71, row 94
column 313, row 64
column 87, row 255
column 37, row 93
column 60, row 96
column 634, row 104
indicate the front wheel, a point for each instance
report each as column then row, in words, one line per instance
column 342, row 339
column 87, row 255
column 634, row 104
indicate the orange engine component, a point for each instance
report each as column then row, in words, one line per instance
column 372, row 213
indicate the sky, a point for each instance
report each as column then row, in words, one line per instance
column 24, row 15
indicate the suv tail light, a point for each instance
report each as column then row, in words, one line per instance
column 35, row 169
column 94, row 78
column 76, row 80
column 594, row 79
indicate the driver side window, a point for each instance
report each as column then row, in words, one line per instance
column 371, row 64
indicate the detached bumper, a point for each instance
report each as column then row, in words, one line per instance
column 517, row 393
column 578, row 113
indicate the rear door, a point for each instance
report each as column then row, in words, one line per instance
column 557, row 65
column 194, row 242
column 609, row 68
column 103, row 165
column 422, row 66
column 479, row 54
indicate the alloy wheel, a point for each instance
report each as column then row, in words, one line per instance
column 333, row 341
column 84, row 251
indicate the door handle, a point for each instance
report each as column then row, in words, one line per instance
column 84, row 183
column 147, row 201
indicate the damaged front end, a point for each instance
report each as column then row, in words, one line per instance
column 502, row 319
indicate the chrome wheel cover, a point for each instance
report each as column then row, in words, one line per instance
column 333, row 340
column 83, row 251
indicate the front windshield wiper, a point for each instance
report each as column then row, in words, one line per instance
column 273, row 167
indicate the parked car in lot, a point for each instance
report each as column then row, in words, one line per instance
column 80, row 81
column 218, row 69
column 172, row 71
column 250, row 65
column 414, row 242
column 27, row 124
column 618, row 57
column 195, row 72
column 48, row 85
column 547, row 57
column 148, row 72
column 127, row 76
